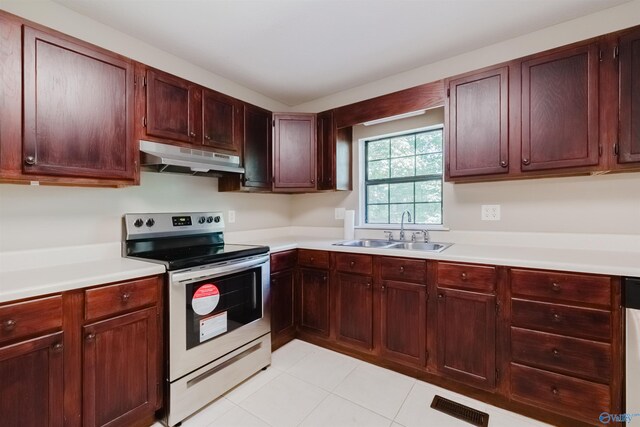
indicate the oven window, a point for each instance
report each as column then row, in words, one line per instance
column 220, row 305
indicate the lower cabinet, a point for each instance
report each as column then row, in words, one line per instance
column 32, row 382
column 120, row 370
column 312, row 298
column 354, row 311
column 283, row 327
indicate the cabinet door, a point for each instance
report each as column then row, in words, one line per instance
column 282, row 313
column 294, row 152
column 404, row 304
column 257, row 147
column 560, row 110
column 173, row 108
column 326, row 151
column 466, row 337
column 222, row 121
column 32, row 382
column 478, row 123
column 313, row 301
column 120, row 372
column 78, row 109
column 354, row 311
column 629, row 150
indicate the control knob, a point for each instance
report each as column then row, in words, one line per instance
column 150, row 222
column 209, row 219
column 138, row 222
column 201, row 220
column 216, row 219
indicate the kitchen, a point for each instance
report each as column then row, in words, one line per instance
column 597, row 212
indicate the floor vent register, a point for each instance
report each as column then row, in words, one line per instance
column 460, row 411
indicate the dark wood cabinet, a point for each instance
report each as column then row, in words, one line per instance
column 312, row 301
column 294, row 152
column 172, row 107
column 78, row 104
column 32, row 385
column 283, row 325
column 354, row 311
column 560, row 109
column 257, row 147
column 120, row 372
column 223, row 122
column 477, row 110
column 326, row 157
column 628, row 150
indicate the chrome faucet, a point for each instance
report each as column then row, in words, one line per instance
column 402, row 223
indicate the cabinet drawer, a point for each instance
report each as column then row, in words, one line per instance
column 30, row 317
column 573, row 356
column 565, row 395
column 562, row 319
column 466, row 276
column 354, row 263
column 308, row 258
column 113, row 299
column 573, row 288
column 283, row 260
column 402, row 269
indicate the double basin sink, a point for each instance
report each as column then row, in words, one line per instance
column 393, row 244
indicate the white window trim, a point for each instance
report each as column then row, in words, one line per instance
column 361, row 181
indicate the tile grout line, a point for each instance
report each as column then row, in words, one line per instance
column 404, row 400
column 314, row 408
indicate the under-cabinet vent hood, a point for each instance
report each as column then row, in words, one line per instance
column 169, row 158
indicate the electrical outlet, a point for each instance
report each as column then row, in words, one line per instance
column 231, row 216
column 490, row 213
column 339, row 213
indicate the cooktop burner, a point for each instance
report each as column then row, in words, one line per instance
column 181, row 240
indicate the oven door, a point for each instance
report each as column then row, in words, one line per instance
column 215, row 309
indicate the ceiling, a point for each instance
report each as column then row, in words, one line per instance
column 295, row 51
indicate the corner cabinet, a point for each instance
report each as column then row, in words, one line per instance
column 628, row 149
column 257, row 147
column 294, row 152
column 282, row 294
column 477, row 108
column 78, row 105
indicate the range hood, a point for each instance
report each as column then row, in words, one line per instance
column 170, row 158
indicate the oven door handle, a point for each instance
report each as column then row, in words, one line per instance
column 212, row 272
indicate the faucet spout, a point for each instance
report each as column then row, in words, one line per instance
column 402, row 223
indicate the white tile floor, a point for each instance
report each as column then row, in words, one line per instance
column 308, row 385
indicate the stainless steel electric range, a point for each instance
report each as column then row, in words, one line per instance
column 217, row 299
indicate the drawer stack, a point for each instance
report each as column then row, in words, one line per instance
column 561, row 342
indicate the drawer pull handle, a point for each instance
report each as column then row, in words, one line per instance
column 556, row 317
column 58, row 346
column 555, row 390
column 556, row 352
column 463, row 276
column 90, row 337
column 9, row 325
column 125, row 297
column 555, row 286
column 402, row 269
column 352, row 263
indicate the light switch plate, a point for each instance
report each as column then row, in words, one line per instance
column 339, row 213
column 490, row 213
column 231, row 216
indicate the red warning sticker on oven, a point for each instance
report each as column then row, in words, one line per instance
column 205, row 299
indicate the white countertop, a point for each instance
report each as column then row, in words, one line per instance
column 616, row 263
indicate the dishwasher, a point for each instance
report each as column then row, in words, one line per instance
column 631, row 302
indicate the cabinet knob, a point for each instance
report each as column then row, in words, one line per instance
column 368, row 285
column 30, row 160
column 440, row 296
column 463, row 276
column 402, row 269
column 383, row 288
column 192, row 134
column 352, row 263
column 207, row 137
column 555, row 286
column 274, row 281
column 58, row 346
column 313, row 181
column 555, row 390
column 125, row 297
column 504, row 163
column 311, row 259
column 526, row 161
column 324, row 278
column 556, row 317
column 90, row 337
column 9, row 325
column 556, row 352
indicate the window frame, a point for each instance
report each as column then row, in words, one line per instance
column 362, row 199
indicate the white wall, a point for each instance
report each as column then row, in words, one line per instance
column 47, row 216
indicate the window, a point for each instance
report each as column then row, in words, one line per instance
column 404, row 172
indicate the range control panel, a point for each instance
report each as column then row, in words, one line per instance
column 144, row 225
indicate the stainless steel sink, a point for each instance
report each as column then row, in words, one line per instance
column 421, row 246
column 394, row 244
column 367, row 243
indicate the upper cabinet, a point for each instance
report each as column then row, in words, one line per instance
column 257, row 148
column 176, row 111
column 333, row 154
column 628, row 150
column 560, row 109
column 294, row 152
column 478, row 118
